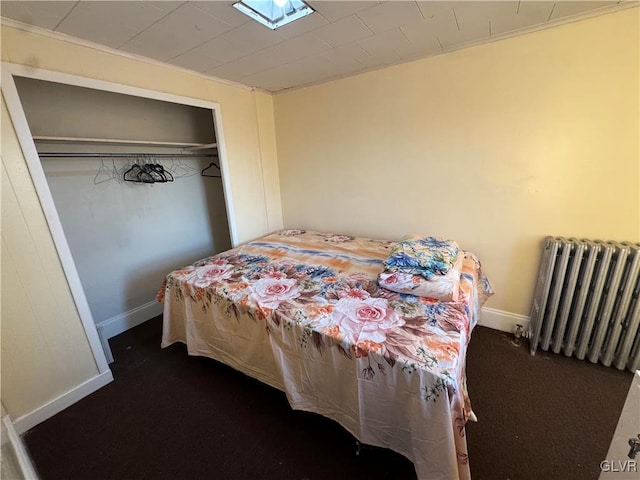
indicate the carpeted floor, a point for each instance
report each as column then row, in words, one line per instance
column 171, row 416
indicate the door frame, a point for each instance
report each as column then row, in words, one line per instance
column 25, row 139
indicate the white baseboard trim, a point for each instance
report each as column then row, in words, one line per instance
column 121, row 323
column 25, row 465
column 49, row 409
column 503, row 321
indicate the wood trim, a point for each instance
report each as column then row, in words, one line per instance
column 22, row 457
column 503, row 321
column 49, row 409
column 30, row 153
column 120, row 323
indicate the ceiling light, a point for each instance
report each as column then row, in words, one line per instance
column 274, row 13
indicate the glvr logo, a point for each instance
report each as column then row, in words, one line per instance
column 623, row 466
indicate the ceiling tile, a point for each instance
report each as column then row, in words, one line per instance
column 222, row 10
column 450, row 33
column 343, row 31
column 165, row 5
column 279, row 54
column 335, row 10
column 306, row 70
column 41, row 14
column 303, row 25
column 386, row 44
column 350, row 54
column 422, row 36
column 482, row 16
column 181, row 30
column 251, row 37
column 208, row 55
column 469, row 14
column 302, row 46
column 110, row 23
column 567, row 9
column 436, row 10
column 528, row 14
column 301, row 72
column 243, row 67
column 390, row 15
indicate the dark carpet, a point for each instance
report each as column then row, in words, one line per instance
column 171, row 416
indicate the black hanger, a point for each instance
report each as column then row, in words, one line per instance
column 156, row 174
column 137, row 174
column 212, row 164
column 131, row 175
column 165, row 173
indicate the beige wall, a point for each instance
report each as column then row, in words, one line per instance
column 267, row 132
column 495, row 146
column 44, row 350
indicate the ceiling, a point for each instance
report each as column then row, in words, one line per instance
column 341, row 38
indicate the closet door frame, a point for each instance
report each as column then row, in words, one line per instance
column 25, row 139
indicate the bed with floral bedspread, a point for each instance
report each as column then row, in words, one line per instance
column 302, row 311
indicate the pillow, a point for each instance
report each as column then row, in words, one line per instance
column 445, row 288
column 426, row 256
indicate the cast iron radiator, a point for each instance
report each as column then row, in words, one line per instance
column 586, row 301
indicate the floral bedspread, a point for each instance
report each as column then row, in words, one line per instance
column 302, row 311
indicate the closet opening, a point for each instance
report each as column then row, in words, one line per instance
column 135, row 185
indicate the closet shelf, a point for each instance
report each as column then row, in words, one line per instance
column 108, row 141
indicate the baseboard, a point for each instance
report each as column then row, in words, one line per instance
column 49, row 409
column 501, row 320
column 121, row 323
column 24, row 463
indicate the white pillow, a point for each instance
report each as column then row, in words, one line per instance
column 445, row 288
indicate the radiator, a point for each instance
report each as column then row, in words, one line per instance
column 586, row 301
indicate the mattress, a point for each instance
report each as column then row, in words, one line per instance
column 302, row 311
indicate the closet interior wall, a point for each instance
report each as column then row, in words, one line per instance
column 125, row 236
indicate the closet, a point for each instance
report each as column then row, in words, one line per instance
column 137, row 185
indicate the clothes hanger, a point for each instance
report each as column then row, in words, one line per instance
column 114, row 171
column 166, row 172
column 137, row 174
column 104, row 173
column 154, row 173
column 143, row 174
column 212, row 164
column 180, row 170
column 166, row 175
column 131, row 175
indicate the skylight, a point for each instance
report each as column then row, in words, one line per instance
column 274, row 13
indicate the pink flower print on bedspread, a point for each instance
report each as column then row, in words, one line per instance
column 365, row 319
column 353, row 293
column 208, row 274
column 271, row 292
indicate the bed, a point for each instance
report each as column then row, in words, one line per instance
column 302, row 311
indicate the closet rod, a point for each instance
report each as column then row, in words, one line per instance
column 122, row 155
